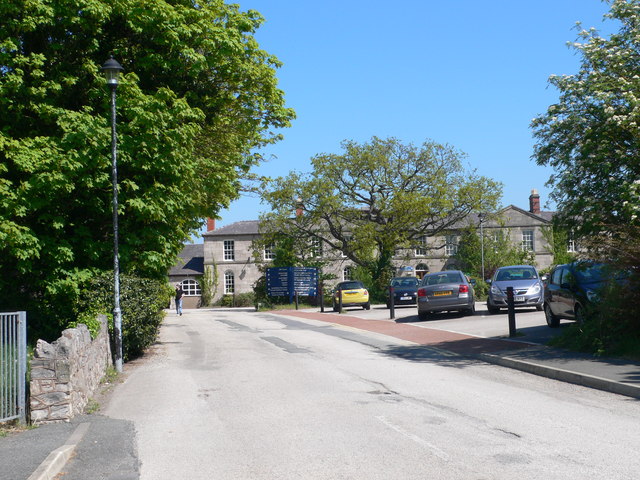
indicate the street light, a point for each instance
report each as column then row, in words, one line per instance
column 112, row 69
column 481, row 217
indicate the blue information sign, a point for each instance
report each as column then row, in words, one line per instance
column 287, row 281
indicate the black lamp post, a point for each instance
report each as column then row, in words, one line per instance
column 481, row 216
column 112, row 69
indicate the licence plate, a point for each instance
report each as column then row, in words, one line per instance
column 443, row 293
column 518, row 299
column 406, row 298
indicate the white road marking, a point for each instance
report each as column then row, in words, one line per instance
column 435, row 450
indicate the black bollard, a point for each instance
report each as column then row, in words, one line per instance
column 296, row 300
column 392, row 304
column 340, row 300
column 321, row 299
column 512, row 312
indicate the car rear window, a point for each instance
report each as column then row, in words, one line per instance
column 404, row 282
column 350, row 285
column 442, row 278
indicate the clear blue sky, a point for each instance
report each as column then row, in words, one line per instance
column 464, row 72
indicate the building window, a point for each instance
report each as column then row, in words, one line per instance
column 346, row 240
column 527, row 240
column 191, row 288
column 347, row 273
column 421, row 270
column 316, row 247
column 269, row 251
column 421, row 247
column 229, row 250
column 451, row 245
column 571, row 244
column 229, row 283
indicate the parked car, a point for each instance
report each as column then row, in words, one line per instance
column 405, row 291
column 354, row 294
column 528, row 288
column 445, row 292
column 572, row 287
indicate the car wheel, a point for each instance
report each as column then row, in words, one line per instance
column 367, row 306
column 335, row 307
column 552, row 320
column 423, row 315
column 493, row 310
column 470, row 311
column 388, row 305
column 539, row 308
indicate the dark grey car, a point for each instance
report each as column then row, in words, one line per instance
column 528, row 289
column 445, row 292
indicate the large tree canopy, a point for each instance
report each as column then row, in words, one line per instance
column 591, row 137
column 377, row 197
column 198, row 97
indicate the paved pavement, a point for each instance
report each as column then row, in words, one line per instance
column 104, row 448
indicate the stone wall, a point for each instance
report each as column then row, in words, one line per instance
column 66, row 373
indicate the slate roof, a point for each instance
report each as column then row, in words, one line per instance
column 245, row 227
column 190, row 261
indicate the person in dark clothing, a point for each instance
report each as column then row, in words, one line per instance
column 179, row 294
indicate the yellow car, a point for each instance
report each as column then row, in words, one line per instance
column 353, row 295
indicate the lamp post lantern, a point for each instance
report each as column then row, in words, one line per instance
column 481, row 217
column 112, row 69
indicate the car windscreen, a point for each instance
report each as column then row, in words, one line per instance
column 442, row 278
column 404, row 282
column 516, row 273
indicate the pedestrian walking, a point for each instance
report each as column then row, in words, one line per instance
column 179, row 294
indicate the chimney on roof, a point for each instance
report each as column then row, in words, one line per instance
column 299, row 207
column 211, row 224
column 534, row 202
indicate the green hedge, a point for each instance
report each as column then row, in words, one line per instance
column 142, row 302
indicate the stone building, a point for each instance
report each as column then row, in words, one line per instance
column 228, row 249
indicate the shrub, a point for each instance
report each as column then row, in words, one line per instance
column 142, row 301
column 247, row 299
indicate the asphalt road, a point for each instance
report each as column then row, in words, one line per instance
column 244, row 395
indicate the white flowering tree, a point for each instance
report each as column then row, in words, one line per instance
column 591, row 137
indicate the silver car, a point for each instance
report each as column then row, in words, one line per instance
column 445, row 292
column 528, row 289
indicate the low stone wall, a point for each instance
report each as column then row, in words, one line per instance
column 66, row 373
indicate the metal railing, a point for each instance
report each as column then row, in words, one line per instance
column 13, row 366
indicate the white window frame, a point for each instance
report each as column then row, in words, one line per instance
column 229, row 283
column 347, row 273
column 269, row 252
column 316, row 247
column 571, row 244
column 421, row 248
column 228, row 250
column 450, row 245
column 191, row 288
column 527, row 240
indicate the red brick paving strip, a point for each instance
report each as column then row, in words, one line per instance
column 450, row 341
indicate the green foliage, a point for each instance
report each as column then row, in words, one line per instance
column 365, row 202
column 590, row 137
column 197, row 100
column 558, row 238
column 141, row 301
column 208, row 284
column 499, row 251
column 247, row 299
column 91, row 320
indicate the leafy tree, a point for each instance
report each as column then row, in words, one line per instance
column 199, row 96
column 377, row 197
column 499, row 251
column 591, row 136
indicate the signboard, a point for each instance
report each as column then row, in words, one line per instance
column 287, row 281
